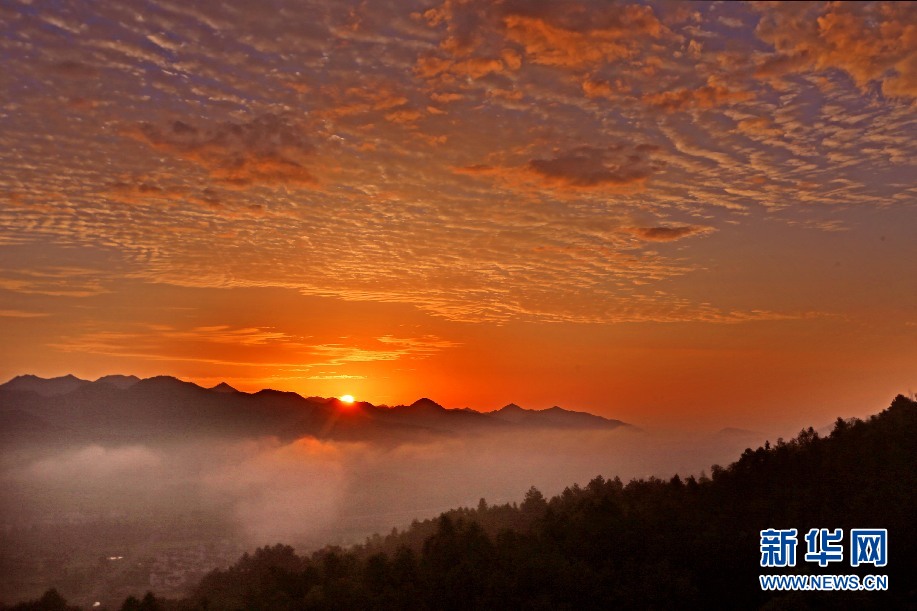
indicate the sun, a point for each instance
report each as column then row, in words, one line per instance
column 346, row 398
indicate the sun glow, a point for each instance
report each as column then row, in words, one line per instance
column 346, row 398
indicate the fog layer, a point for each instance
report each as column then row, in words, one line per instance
column 309, row 491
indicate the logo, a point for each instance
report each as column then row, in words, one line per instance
column 778, row 547
column 823, row 546
column 868, row 546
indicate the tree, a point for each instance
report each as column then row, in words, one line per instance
column 534, row 502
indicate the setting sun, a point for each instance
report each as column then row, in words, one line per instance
column 346, row 398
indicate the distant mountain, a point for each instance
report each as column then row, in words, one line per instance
column 424, row 405
column 17, row 425
column 512, row 413
column 433, row 417
column 554, row 417
column 120, row 381
column 223, row 387
column 46, row 387
column 126, row 409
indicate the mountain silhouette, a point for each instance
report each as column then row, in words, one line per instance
column 120, row 381
column 553, row 417
column 46, row 387
column 127, row 409
column 223, row 387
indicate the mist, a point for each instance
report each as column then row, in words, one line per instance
column 311, row 492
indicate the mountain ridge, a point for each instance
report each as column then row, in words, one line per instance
column 120, row 408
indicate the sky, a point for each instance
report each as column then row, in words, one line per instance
column 677, row 214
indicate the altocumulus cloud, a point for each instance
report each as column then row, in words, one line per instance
column 669, row 234
column 267, row 149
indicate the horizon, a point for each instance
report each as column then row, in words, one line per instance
column 687, row 216
column 784, row 429
column 355, row 400
column 764, row 435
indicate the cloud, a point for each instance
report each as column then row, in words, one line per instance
column 669, row 234
column 532, row 102
column 224, row 334
column 706, row 97
column 22, row 314
column 54, row 281
column 446, row 97
column 870, row 41
column 614, row 166
column 594, row 88
column 266, row 150
column 404, row 116
column 574, row 34
column 763, row 126
column 376, row 95
column 393, row 348
column 730, row 22
column 249, row 347
column 588, row 167
column 245, row 351
column 484, row 38
column 427, row 343
column 448, row 70
column 73, row 69
column 140, row 191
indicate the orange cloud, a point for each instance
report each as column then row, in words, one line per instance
column 375, row 96
column 476, row 67
column 390, row 349
column 264, row 151
column 589, row 168
column 448, row 69
column 669, row 234
column 597, row 89
column 759, row 125
column 22, row 314
column 446, row 97
column 483, row 37
column 404, row 115
column 871, row 42
column 585, row 167
column 554, row 46
column 709, row 96
column 52, row 281
column 142, row 192
column 575, row 34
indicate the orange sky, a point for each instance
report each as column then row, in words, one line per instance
column 675, row 214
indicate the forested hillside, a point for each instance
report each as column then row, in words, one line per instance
column 648, row 544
